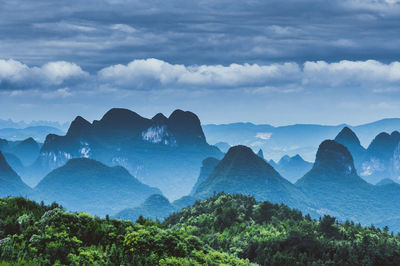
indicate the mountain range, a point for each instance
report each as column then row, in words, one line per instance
column 163, row 152
column 126, row 165
column 302, row 139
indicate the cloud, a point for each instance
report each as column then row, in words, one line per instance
column 16, row 75
column 154, row 72
column 351, row 73
column 264, row 135
column 254, row 79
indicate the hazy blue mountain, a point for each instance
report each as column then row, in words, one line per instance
column 382, row 158
column 242, row 171
column 333, row 184
column 350, row 140
column 87, row 185
column 10, row 183
column 206, row 169
column 183, row 202
column 14, row 162
column 385, row 181
column 39, row 133
column 155, row 207
column 273, row 164
column 223, row 146
column 9, row 123
column 163, row 152
column 27, row 151
column 300, row 139
column 292, row 168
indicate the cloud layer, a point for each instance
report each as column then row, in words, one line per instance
column 99, row 33
column 155, row 74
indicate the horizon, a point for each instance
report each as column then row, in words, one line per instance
column 67, row 122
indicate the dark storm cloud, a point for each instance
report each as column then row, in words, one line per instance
column 96, row 34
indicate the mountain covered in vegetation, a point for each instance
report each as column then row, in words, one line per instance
column 156, row 207
column 221, row 230
column 87, row 185
column 242, row 171
column 163, row 152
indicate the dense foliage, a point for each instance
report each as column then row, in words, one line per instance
column 221, row 230
column 36, row 234
column 271, row 234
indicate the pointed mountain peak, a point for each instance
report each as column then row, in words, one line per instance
column 160, row 118
column 78, row 126
column 4, row 166
column 242, row 157
column 29, row 141
column 260, row 154
column 297, row 157
column 284, row 159
column 347, row 136
column 333, row 156
column 156, row 200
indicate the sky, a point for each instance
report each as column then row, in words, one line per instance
column 275, row 62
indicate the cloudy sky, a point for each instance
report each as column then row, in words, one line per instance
column 276, row 62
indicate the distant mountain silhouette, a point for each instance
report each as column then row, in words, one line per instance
column 10, row 183
column 163, row 152
column 333, row 184
column 223, row 146
column 87, row 185
column 208, row 166
column 382, row 158
column 155, row 207
column 302, row 139
column 292, row 168
column 349, row 139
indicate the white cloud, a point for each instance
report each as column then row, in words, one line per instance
column 123, row 27
column 154, row 71
column 264, row 135
column 351, row 73
column 16, row 75
column 154, row 74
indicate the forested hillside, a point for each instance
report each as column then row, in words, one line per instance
column 221, row 230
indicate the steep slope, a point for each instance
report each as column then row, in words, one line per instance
column 334, row 185
column 27, row 151
column 242, row 171
column 155, row 207
column 349, row 139
column 292, row 168
column 10, row 183
column 382, row 158
column 87, row 185
column 208, row 165
column 163, row 152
